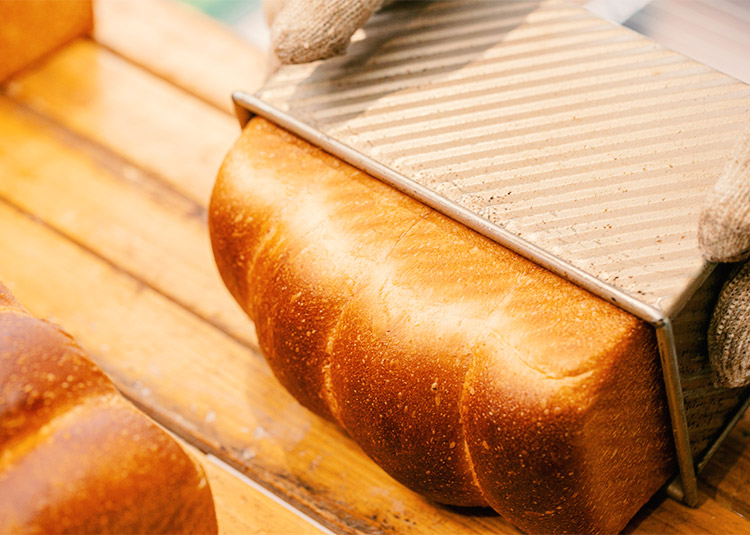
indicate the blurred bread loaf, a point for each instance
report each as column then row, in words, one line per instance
column 75, row 456
column 468, row 373
column 31, row 28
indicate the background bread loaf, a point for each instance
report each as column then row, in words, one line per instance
column 75, row 456
column 30, row 29
column 468, row 373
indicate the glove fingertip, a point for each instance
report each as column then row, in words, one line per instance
column 292, row 48
column 720, row 242
column 724, row 223
column 307, row 31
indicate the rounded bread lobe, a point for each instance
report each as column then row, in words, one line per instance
column 75, row 456
column 102, row 467
column 259, row 233
column 593, row 443
column 468, row 373
column 399, row 395
column 42, row 374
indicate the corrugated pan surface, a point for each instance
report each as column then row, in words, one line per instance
column 581, row 137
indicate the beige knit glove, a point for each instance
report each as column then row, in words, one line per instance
column 308, row 30
column 724, row 236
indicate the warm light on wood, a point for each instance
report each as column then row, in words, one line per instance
column 108, row 153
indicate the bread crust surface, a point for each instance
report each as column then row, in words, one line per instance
column 470, row 374
column 75, row 456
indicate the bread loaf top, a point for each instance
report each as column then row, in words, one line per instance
column 470, row 374
column 43, row 373
column 75, row 456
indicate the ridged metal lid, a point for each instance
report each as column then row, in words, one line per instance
column 581, row 138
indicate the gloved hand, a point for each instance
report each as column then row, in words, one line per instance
column 724, row 236
column 308, row 30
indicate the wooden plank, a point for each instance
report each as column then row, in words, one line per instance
column 243, row 509
column 726, row 478
column 664, row 515
column 136, row 115
column 240, row 509
column 117, row 212
column 181, row 45
column 204, row 385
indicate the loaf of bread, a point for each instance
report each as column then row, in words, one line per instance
column 75, row 456
column 29, row 29
column 468, row 373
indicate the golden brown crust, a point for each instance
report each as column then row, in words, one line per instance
column 42, row 374
column 467, row 372
column 32, row 28
column 574, row 455
column 75, row 456
column 103, row 468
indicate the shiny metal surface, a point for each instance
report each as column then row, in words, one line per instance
column 580, row 137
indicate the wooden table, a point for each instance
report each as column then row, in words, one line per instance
column 108, row 152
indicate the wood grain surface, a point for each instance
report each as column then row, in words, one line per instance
column 241, row 509
column 108, row 152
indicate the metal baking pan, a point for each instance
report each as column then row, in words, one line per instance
column 572, row 141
